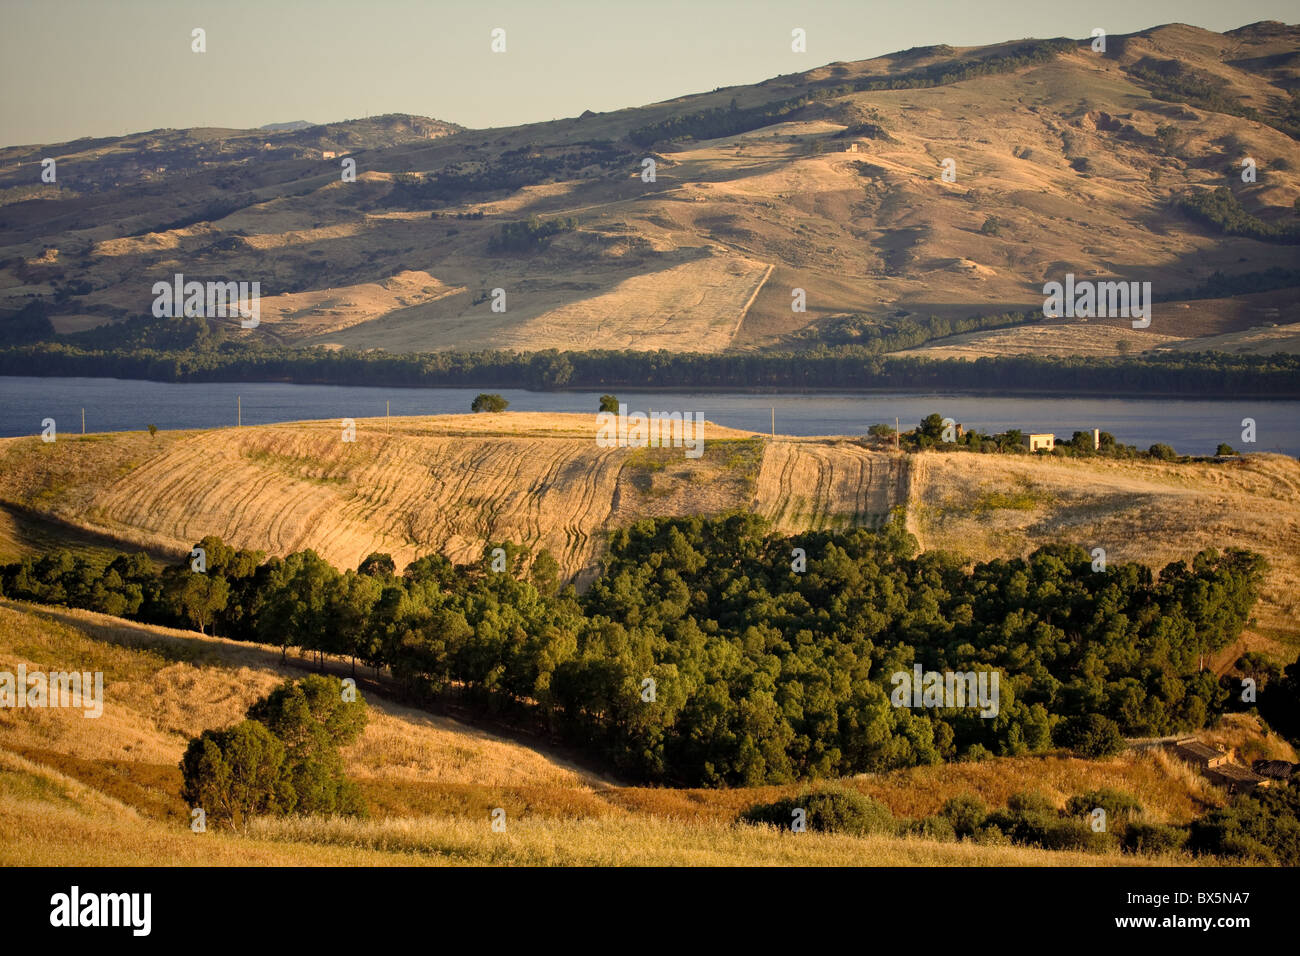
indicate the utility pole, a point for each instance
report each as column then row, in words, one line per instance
column 896, row 448
column 83, row 421
column 388, row 426
column 239, row 411
column 773, row 421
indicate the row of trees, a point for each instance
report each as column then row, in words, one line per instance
column 1213, row 374
column 712, row 652
column 932, row 433
column 529, row 235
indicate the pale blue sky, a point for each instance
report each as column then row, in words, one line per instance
column 73, row 68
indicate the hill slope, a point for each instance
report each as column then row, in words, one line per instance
column 454, row 483
column 106, row 791
column 828, row 181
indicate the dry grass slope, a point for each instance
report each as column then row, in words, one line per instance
column 105, row 792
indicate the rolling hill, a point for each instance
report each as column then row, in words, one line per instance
column 454, row 483
column 828, row 180
column 107, row 791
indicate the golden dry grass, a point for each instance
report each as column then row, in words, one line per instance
column 452, row 483
column 431, row 783
column 1145, row 511
column 48, row 819
column 164, row 686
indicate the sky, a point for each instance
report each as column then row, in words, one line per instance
column 74, row 68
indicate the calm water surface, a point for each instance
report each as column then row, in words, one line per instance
column 1191, row 426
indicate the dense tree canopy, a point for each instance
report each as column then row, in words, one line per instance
column 702, row 654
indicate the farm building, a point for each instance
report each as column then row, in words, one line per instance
column 1202, row 756
column 1217, row 766
column 1275, row 769
column 1040, row 441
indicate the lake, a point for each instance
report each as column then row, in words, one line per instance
column 1192, row 426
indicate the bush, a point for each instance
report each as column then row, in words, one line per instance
column 1264, row 825
column 236, row 774
column 965, row 814
column 1153, row 838
column 1225, row 449
column 1162, row 451
column 609, row 403
column 1089, row 735
column 486, row 402
column 933, row 828
column 1117, row 804
column 827, row 811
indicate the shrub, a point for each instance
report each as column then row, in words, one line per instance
column 933, row 828
column 1264, row 825
column 827, row 811
column 236, row 774
column 965, row 813
column 609, row 403
column 1089, row 735
column 1117, row 804
column 1153, row 838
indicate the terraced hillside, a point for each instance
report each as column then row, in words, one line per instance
column 414, row 485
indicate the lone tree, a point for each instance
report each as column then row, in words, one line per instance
column 486, row 402
column 609, row 403
column 283, row 758
column 236, row 774
column 1162, row 451
column 312, row 719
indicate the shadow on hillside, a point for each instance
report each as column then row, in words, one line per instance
column 379, row 690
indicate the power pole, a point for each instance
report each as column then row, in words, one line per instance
column 773, row 421
column 388, row 426
column 239, row 411
column 83, row 421
column 896, row 448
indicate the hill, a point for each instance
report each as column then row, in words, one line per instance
column 451, row 484
column 106, row 791
column 1066, row 160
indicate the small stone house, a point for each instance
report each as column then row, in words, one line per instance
column 1217, row 766
column 1040, row 441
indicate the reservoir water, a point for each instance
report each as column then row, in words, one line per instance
column 1191, row 426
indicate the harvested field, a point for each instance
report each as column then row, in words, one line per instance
column 1152, row 512
column 453, row 483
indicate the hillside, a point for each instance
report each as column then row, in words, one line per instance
column 106, row 791
column 826, row 180
column 451, row 484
